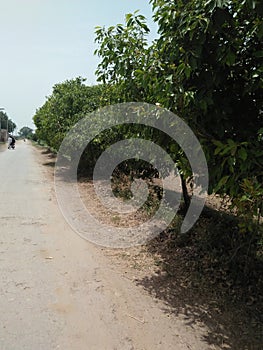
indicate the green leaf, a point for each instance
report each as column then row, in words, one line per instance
column 128, row 16
column 221, row 183
column 218, row 143
column 230, row 58
column 187, row 71
column 173, row 148
column 242, row 153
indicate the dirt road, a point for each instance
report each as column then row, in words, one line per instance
column 58, row 291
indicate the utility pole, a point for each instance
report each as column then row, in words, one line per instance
column 1, row 109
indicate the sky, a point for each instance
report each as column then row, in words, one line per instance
column 45, row 42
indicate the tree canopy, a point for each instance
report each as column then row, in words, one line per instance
column 25, row 132
column 205, row 66
column 69, row 101
column 6, row 123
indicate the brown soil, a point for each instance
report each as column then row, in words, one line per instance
column 191, row 286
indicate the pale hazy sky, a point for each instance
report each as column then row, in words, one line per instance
column 44, row 42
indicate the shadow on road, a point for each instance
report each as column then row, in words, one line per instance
column 50, row 155
column 51, row 164
column 195, row 278
column 194, row 283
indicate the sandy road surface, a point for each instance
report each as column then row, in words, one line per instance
column 57, row 291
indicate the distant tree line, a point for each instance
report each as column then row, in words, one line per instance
column 6, row 123
column 26, row 133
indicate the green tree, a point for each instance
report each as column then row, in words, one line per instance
column 6, row 123
column 206, row 66
column 25, row 132
column 69, row 102
column 211, row 64
column 122, row 50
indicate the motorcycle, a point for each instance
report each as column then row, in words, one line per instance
column 11, row 146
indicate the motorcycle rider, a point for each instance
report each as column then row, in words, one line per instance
column 11, row 142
